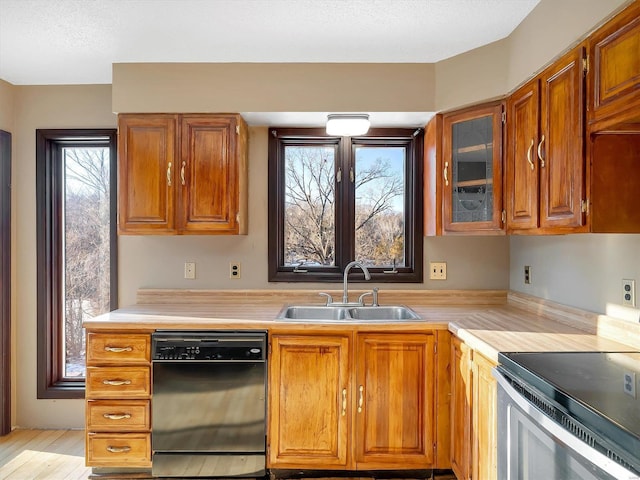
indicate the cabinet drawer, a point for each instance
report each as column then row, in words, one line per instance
column 106, row 348
column 119, row 449
column 118, row 382
column 118, row 415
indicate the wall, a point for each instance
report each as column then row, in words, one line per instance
column 584, row 271
column 273, row 87
column 42, row 107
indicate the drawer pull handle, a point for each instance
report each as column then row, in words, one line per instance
column 118, row 449
column 446, row 173
column 344, row 402
column 118, row 349
column 116, row 382
column 184, row 164
column 169, row 175
column 116, row 416
column 361, row 398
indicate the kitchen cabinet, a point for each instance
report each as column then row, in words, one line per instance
column 310, row 401
column 485, row 421
column 333, row 406
column 118, row 390
column 182, row 174
column 545, row 162
column 472, row 170
column 614, row 77
column 461, row 409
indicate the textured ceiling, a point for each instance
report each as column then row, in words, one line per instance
column 77, row 41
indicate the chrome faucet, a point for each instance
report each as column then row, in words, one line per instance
column 345, row 289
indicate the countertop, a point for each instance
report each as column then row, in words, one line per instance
column 488, row 321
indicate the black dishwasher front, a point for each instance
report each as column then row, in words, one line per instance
column 208, row 407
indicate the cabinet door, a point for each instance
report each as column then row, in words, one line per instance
column 614, row 89
column 485, row 404
column 147, row 173
column 309, row 402
column 461, row 392
column 560, row 150
column 521, row 168
column 472, row 170
column 394, row 394
column 209, row 176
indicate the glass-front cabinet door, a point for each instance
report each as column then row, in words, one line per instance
column 472, row 170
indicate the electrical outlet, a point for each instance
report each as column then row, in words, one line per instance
column 527, row 274
column 234, row 270
column 629, row 383
column 629, row 292
column 438, row 270
column 190, row 270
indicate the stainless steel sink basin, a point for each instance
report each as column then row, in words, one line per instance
column 347, row 314
column 391, row 312
column 313, row 312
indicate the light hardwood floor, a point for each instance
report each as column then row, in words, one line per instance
column 43, row 454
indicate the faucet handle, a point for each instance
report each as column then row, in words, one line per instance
column 361, row 297
column 329, row 297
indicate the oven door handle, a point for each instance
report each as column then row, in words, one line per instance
column 572, row 442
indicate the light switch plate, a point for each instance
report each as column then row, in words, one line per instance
column 438, row 270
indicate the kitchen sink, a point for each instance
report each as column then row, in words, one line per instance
column 347, row 314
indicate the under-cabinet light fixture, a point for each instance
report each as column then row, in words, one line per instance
column 347, row 124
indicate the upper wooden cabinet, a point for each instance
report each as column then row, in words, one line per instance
column 614, row 80
column 545, row 161
column 335, row 407
column 182, row 174
column 472, row 170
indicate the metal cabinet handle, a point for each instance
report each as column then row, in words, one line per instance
column 117, row 349
column 344, row 402
column 361, row 398
column 116, row 416
column 540, row 151
column 169, row 175
column 529, row 154
column 113, row 449
column 446, row 173
column 116, row 382
column 182, row 172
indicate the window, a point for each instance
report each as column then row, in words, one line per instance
column 337, row 199
column 76, row 248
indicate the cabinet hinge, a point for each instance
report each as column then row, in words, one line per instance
column 585, row 64
column 504, row 216
column 584, row 206
column 504, row 117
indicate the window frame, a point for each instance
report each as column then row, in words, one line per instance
column 51, row 381
column 412, row 139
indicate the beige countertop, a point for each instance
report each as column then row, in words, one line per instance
column 489, row 321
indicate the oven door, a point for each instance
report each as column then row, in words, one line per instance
column 533, row 446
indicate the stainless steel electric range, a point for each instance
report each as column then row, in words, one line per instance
column 568, row 415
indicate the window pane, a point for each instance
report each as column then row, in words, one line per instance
column 309, row 209
column 86, row 248
column 379, row 204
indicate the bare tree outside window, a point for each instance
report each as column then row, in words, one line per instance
column 379, row 206
column 86, row 247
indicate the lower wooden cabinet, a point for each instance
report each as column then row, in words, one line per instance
column 485, row 420
column 473, row 414
column 333, row 406
column 118, row 405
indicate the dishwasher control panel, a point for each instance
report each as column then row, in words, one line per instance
column 209, row 346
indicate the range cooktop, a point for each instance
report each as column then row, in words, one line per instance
column 599, row 389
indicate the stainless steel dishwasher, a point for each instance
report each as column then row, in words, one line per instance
column 208, row 406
